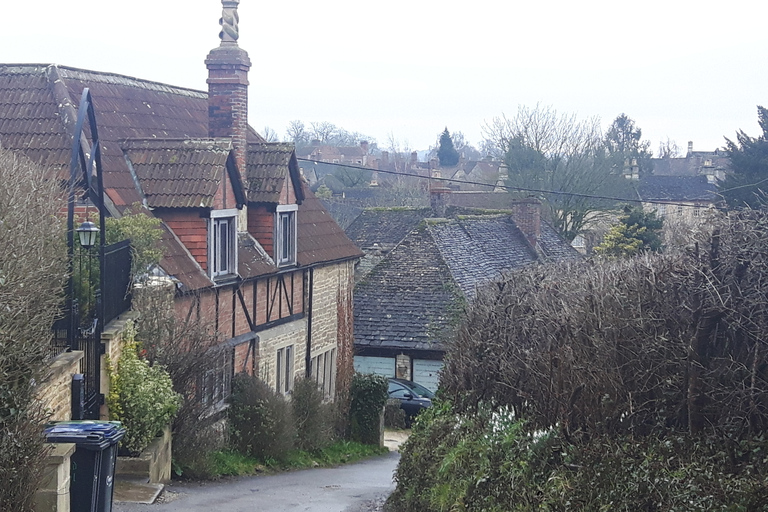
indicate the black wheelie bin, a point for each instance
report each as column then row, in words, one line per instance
column 93, row 463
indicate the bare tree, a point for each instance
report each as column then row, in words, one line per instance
column 32, row 273
column 270, row 135
column 559, row 158
column 668, row 149
column 297, row 133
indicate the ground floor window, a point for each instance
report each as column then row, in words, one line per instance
column 215, row 383
column 324, row 372
column 284, row 370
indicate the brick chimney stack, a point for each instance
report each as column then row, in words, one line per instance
column 527, row 217
column 228, row 67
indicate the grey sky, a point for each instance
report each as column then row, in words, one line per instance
column 684, row 70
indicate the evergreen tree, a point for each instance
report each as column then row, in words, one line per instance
column 446, row 153
column 747, row 185
column 637, row 231
column 624, row 143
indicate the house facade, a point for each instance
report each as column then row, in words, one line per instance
column 252, row 253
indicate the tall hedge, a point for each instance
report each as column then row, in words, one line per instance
column 676, row 341
column 32, row 273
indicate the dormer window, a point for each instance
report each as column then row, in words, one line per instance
column 285, row 238
column 222, row 246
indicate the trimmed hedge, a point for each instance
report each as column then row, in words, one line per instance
column 369, row 394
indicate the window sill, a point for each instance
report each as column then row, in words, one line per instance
column 226, row 279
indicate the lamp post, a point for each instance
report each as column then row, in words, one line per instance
column 87, row 233
column 85, row 159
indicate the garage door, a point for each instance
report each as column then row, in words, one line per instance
column 379, row 365
column 427, row 373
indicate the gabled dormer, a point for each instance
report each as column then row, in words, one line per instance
column 274, row 195
column 194, row 186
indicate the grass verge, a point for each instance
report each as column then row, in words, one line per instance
column 232, row 463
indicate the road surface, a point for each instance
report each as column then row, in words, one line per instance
column 348, row 488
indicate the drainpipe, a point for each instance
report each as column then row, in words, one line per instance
column 308, row 356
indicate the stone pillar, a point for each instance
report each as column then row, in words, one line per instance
column 53, row 494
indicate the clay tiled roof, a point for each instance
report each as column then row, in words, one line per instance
column 252, row 260
column 320, row 239
column 179, row 174
column 38, row 105
column 268, row 164
column 155, row 146
column 179, row 264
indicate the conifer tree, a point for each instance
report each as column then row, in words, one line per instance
column 446, row 153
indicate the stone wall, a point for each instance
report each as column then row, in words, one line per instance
column 271, row 340
column 55, row 390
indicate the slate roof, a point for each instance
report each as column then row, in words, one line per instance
column 408, row 298
column 693, row 164
column 676, row 188
column 554, row 247
column 384, row 226
column 178, row 173
column 480, row 249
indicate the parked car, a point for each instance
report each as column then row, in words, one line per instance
column 413, row 397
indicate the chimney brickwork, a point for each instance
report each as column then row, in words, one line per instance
column 527, row 217
column 228, row 66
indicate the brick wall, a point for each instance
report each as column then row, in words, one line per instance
column 192, row 230
column 261, row 226
column 228, row 67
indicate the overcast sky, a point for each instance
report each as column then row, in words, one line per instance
column 681, row 69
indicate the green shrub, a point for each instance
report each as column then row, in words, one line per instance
column 486, row 460
column 142, row 398
column 313, row 419
column 259, row 419
column 369, row 394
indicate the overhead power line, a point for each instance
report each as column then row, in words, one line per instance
column 505, row 187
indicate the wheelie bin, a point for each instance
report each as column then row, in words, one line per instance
column 93, row 463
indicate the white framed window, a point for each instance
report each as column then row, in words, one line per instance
column 285, row 236
column 323, row 372
column 662, row 211
column 284, row 370
column 222, row 243
column 214, row 385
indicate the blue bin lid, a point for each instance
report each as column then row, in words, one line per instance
column 86, row 433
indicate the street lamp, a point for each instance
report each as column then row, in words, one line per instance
column 87, row 233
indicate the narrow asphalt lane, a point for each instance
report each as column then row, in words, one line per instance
column 347, row 488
